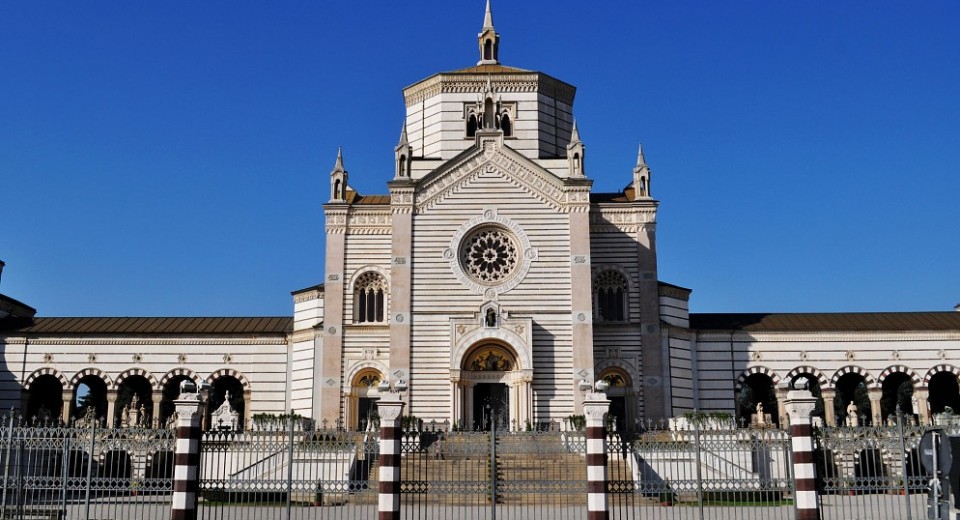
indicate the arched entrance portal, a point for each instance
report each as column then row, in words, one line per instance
column 621, row 397
column 493, row 390
column 362, row 399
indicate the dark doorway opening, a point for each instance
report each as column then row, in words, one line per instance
column 366, row 413
column 491, row 406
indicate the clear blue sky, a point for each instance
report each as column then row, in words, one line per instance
column 171, row 158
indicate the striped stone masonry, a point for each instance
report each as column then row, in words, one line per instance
column 186, row 457
column 799, row 404
column 390, row 408
column 595, row 406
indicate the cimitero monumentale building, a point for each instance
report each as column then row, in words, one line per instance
column 491, row 280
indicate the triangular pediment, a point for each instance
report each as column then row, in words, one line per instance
column 487, row 156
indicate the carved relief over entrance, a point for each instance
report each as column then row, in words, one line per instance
column 491, row 370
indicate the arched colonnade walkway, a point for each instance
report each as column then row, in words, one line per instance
column 852, row 395
column 134, row 397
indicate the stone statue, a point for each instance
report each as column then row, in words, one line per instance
column 852, row 419
column 759, row 418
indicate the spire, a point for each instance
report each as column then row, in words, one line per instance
column 574, row 134
column 641, row 177
column 575, row 153
column 402, row 154
column 641, row 161
column 338, row 179
column 488, row 18
column 489, row 40
column 338, row 166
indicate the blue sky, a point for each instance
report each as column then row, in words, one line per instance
column 171, row 158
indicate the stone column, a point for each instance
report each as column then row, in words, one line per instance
column 781, row 391
column 799, row 404
column 155, row 418
column 581, row 283
column 829, row 414
column 875, row 395
column 468, row 418
column 391, row 409
column 186, row 472
column 920, row 397
column 595, row 405
column 456, row 399
column 67, row 398
column 111, row 408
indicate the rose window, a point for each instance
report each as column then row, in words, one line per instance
column 489, row 255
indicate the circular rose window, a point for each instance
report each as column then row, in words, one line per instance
column 489, row 255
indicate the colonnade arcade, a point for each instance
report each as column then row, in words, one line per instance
column 133, row 397
column 853, row 395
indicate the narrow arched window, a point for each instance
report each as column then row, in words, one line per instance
column 505, row 125
column 370, row 298
column 610, row 296
column 488, row 115
column 336, row 190
column 472, row 125
column 488, row 50
column 402, row 171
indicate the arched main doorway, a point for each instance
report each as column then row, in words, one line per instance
column 621, row 397
column 362, row 399
column 493, row 389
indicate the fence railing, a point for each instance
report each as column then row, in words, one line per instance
column 87, row 471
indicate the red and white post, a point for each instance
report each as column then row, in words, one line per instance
column 390, row 408
column 186, row 455
column 595, row 406
column 799, row 404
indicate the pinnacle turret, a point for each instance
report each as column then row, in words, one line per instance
column 489, row 40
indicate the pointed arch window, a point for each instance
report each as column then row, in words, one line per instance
column 472, row 125
column 610, row 296
column 505, row 125
column 370, row 298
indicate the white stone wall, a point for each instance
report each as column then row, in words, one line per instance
column 544, row 295
column 261, row 362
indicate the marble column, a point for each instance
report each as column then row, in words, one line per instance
column 67, row 397
column 829, row 414
column 875, row 395
column 155, row 417
column 921, row 404
column 111, row 408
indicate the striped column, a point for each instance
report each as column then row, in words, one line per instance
column 799, row 404
column 390, row 408
column 186, row 455
column 595, row 406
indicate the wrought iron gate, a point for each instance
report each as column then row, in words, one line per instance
column 493, row 475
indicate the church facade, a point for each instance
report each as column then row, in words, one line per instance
column 491, row 285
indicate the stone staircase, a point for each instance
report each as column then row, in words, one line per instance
column 528, row 473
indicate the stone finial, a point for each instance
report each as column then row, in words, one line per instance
column 488, row 17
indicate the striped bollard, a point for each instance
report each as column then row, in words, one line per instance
column 390, row 408
column 799, row 404
column 595, row 406
column 186, row 457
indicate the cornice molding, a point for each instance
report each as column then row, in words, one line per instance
column 34, row 341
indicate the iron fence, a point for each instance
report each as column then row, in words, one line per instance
column 695, row 473
column 84, row 471
column 288, row 473
column 872, row 472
